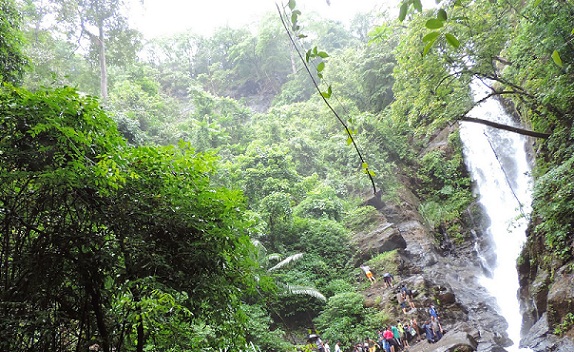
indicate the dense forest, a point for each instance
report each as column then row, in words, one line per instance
column 211, row 193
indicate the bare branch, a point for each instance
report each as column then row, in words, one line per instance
column 506, row 127
column 518, row 130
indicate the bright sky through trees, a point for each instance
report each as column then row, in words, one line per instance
column 165, row 17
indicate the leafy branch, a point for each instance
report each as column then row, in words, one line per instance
column 306, row 60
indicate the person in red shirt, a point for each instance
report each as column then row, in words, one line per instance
column 390, row 337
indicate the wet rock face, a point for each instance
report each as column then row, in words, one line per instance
column 384, row 238
column 561, row 296
column 447, row 276
column 447, row 280
column 540, row 338
column 545, row 298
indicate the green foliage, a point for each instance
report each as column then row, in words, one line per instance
column 140, row 111
column 346, row 320
column 566, row 324
column 53, row 65
column 337, row 286
column 327, row 239
column 422, row 89
column 362, row 219
column 260, row 332
column 295, row 89
column 386, row 262
column 554, row 204
column 445, row 189
column 12, row 59
column 137, row 232
column 149, row 234
column 320, row 203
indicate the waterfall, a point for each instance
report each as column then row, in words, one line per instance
column 499, row 166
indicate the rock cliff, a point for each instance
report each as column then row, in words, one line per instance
column 446, row 274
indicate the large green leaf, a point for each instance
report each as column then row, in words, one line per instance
column 403, row 11
column 451, row 39
column 431, row 37
column 441, row 15
column 428, row 47
column 417, row 4
column 434, row 23
column 557, row 59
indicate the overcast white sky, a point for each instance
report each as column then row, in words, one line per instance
column 164, row 17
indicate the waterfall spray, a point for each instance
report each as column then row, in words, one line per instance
column 498, row 163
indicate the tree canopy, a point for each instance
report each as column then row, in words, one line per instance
column 139, row 179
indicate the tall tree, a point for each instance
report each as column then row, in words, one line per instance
column 12, row 60
column 104, row 24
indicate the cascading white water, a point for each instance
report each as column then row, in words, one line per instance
column 498, row 163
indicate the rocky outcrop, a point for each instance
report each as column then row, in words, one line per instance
column 546, row 298
column 446, row 274
column 446, row 279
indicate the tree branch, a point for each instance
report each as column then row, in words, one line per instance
column 507, row 127
column 518, row 130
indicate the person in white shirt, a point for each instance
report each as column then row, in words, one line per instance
column 337, row 347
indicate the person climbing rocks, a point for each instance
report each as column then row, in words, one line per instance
column 368, row 273
column 401, row 298
column 388, row 279
column 409, row 296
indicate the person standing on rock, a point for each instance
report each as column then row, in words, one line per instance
column 409, row 296
column 436, row 328
column 397, row 335
column 404, row 337
column 368, row 273
column 390, row 338
column 428, row 332
column 384, row 344
column 415, row 326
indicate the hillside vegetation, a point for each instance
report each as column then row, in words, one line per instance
column 192, row 193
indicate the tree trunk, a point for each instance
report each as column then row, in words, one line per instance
column 103, row 66
column 100, row 318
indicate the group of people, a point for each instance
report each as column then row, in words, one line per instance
column 398, row 337
column 395, row 337
column 387, row 277
column 324, row 346
column 432, row 327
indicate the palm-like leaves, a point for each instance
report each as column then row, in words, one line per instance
column 305, row 290
column 290, row 259
column 265, row 259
